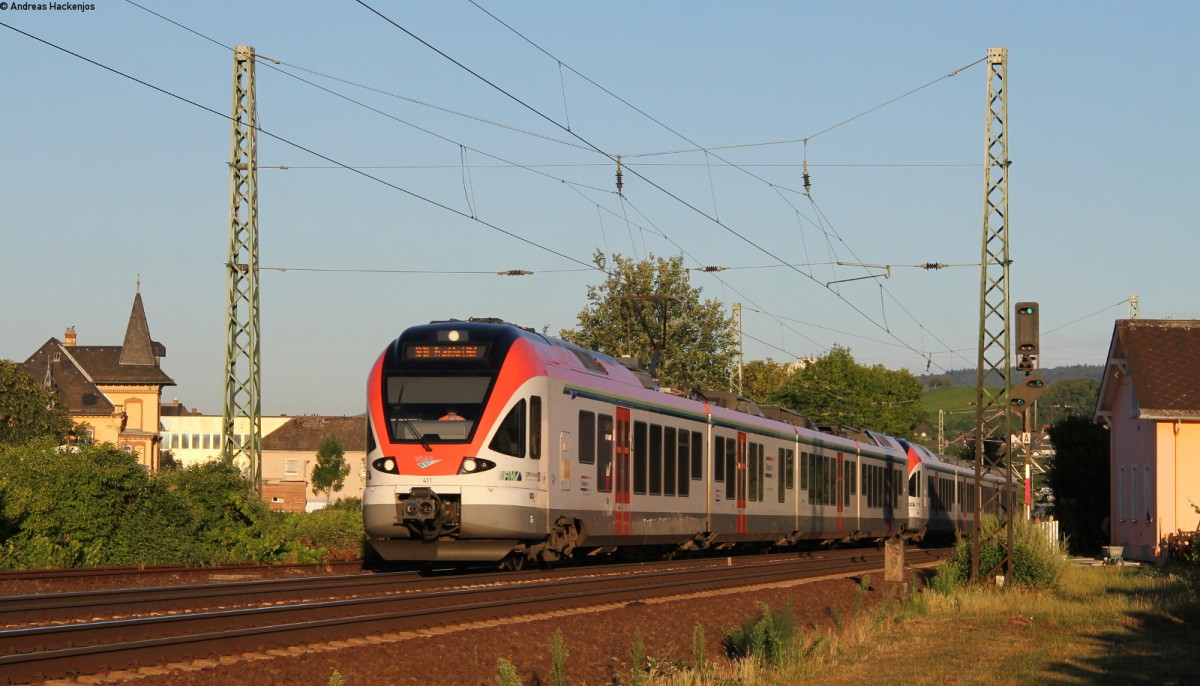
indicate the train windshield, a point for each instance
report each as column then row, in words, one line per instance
column 434, row 409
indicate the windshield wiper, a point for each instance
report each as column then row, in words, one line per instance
column 411, row 427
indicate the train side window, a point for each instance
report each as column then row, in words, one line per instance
column 683, row 480
column 670, row 460
column 755, row 467
column 912, row 485
column 510, row 437
column 730, row 462
column 640, row 461
column 697, row 456
column 535, row 427
column 719, row 460
column 604, row 453
column 785, row 474
column 762, row 472
column 816, row 480
column 852, row 465
column 587, row 437
column 804, row 471
column 831, row 492
column 848, row 479
column 656, row 459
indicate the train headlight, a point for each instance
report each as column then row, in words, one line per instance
column 386, row 464
column 475, row 465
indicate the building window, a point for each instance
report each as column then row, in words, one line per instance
column 1133, row 495
column 1121, row 494
column 291, row 466
column 1147, row 496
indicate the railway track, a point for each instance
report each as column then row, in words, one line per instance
column 389, row 604
column 46, row 580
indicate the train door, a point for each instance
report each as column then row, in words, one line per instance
column 740, row 487
column 621, row 514
column 839, row 491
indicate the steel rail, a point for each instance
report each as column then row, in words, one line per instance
column 51, row 652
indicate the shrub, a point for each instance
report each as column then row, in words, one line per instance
column 77, row 507
column 96, row 506
column 558, row 659
column 328, row 534
column 764, row 637
column 508, row 673
column 1037, row 561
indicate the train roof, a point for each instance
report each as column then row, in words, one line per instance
column 623, row 377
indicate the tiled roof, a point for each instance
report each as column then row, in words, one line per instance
column 1164, row 363
column 138, row 349
column 75, row 389
column 103, row 363
column 306, row 434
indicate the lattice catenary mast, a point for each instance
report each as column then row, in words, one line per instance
column 242, row 371
column 992, row 417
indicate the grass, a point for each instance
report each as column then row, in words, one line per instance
column 1098, row 625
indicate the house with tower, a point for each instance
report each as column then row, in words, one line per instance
column 113, row 391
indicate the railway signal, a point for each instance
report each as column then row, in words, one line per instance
column 1027, row 329
column 1028, row 390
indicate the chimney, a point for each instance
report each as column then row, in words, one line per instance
column 69, row 337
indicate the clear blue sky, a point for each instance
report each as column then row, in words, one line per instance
column 104, row 179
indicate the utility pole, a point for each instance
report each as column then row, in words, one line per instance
column 242, row 371
column 1133, row 307
column 992, row 416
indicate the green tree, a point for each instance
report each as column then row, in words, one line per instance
column 329, row 474
column 836, row 389
column 1079, row 475
column 649, row 310
column 762, row 380
column 28, row 411
column 1067, row 398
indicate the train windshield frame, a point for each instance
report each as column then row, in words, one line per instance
column 425, row 407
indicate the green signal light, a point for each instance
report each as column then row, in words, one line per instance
column 1025, row 310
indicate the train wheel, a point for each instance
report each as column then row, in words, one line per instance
column 513, row 563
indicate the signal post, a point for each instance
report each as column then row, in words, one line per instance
column 1025, row 393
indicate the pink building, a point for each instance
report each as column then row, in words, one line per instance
column 1150, row 402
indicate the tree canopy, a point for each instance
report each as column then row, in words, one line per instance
column 763, row 379
column 649, row 310
column 836, row 389
column 329, row 474
column 1069, row 398
column 28, row 411
column 1080, row 477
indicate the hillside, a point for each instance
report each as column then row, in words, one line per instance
column 957, row 400
column 967, row 377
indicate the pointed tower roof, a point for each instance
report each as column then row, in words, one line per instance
column 138, row 349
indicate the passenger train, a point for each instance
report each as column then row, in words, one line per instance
column 491, row 442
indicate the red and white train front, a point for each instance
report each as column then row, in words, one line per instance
column 454, row 417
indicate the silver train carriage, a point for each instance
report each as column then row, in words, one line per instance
column 490, row 442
